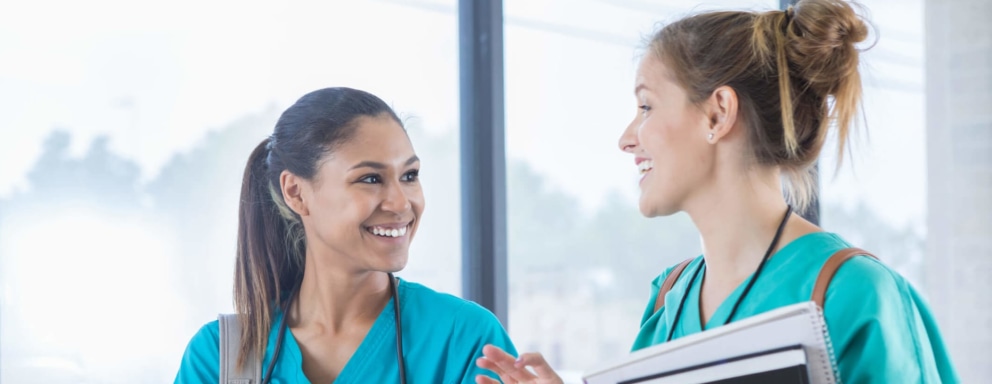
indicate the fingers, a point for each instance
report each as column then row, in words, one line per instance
column 503, row 364
column 512, row 370
column 485, row 363
column 494, row 353
column 483, row 379
column 536, row 361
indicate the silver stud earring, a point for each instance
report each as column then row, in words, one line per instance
column 710, row 136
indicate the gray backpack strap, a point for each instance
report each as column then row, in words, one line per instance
column 230, row 344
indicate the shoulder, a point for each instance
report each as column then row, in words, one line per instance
column 438, row 306
column 690, row 263
column 684, row 269
column 446, row 317
column 681, row 283
column 860, row 275
column 866, row 279
column 207, row 338
column 882, row 331
column 201, row 361
column 866, row 270
column 858, row 279
column 865, row 292
column 814, row 248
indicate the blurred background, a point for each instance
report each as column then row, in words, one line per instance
column 125, row 127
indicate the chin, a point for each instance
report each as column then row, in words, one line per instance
column 393, row 264
column 655, row 208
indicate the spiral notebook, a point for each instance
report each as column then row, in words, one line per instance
column 785, row 345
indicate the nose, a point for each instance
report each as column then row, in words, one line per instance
column 628, row 140
column 396, row 200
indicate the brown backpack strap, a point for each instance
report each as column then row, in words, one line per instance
column 669, row 282
column 830, row 269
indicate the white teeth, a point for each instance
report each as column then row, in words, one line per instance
column 645, row 166
column 386, row 232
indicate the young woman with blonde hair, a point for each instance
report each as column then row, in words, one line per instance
column 729, row 104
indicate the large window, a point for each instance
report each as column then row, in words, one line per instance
column 125, row 130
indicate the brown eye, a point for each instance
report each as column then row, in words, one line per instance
column 371, row 179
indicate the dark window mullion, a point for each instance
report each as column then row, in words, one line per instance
column 483, row 157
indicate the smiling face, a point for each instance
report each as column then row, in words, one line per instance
column 363, row 206
column 668, row 138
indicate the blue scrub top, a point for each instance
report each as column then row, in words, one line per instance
column 443, row 335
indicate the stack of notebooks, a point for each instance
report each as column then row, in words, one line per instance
column 786, row 345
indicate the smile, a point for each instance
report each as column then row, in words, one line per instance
column 389, row 230
column 645, row 166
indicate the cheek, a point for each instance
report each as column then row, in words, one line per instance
column 417, row 203
column 661, row 142
column 344, row 210
column 651, row 135
column 672, row 140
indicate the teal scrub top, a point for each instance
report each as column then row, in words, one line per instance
column 442, row 337
column 881, row 328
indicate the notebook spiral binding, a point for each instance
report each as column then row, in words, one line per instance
column 828, row 364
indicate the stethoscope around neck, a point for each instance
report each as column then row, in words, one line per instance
column 267, row 378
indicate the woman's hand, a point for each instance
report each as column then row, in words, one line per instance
column 514, row 371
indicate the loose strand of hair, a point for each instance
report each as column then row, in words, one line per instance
column 847, row 103
column 799, row 187
column 785, row 88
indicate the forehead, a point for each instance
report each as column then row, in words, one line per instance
column 376, row 138
column 651, row 75
column 650, row 70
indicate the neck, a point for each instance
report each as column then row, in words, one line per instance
column 737, row 218
column 333, row 298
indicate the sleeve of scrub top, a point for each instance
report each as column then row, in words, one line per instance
column 201, row 360
column 473, row 328
column 877, row 329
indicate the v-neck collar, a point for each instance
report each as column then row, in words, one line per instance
column 692, row 317
column 380, row 334
column 694, row 312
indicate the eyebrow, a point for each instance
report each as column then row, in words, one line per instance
column 381, row 166
column 640, row 87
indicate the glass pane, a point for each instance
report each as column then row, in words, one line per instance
column 125, row 136
column 581, row 257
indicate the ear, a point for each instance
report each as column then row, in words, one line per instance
column 721, row 112
column 292, row 192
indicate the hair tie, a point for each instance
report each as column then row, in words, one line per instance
column 271, row 142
